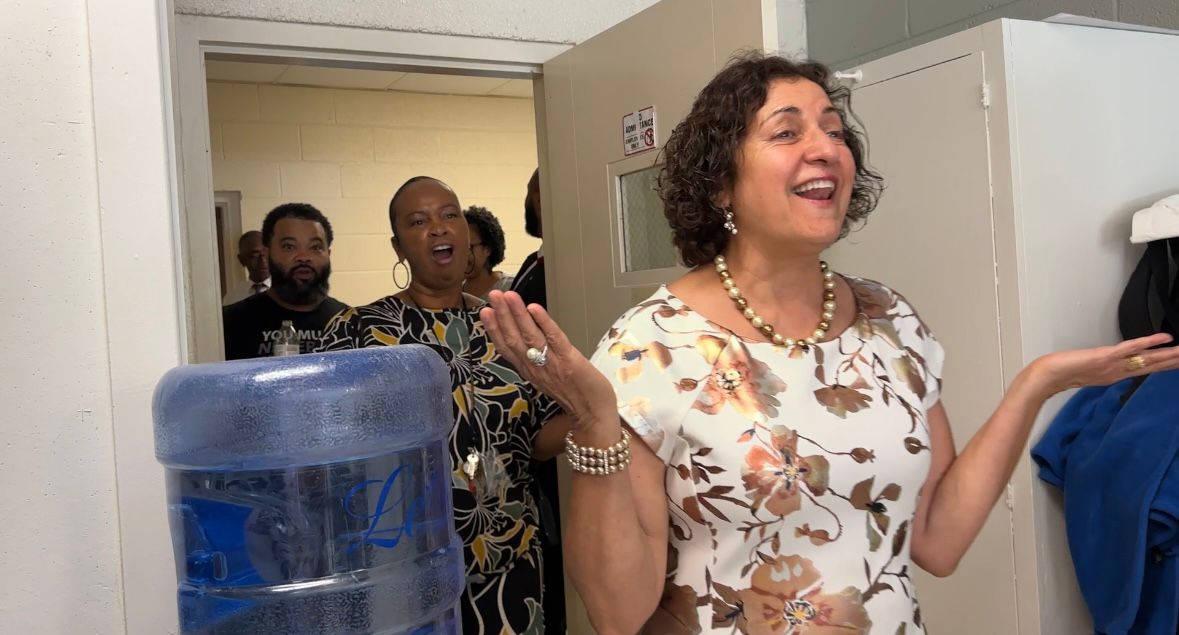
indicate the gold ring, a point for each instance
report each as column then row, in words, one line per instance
column 1135, row 363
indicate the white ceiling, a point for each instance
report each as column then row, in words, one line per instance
column 259, row 73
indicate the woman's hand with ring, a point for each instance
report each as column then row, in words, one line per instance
column 543, row 356
column 1105, row 365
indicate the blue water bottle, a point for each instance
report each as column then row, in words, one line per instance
column 310, row 494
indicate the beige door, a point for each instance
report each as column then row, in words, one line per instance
column 596, row 198
column 593, row 194
column 928, row 137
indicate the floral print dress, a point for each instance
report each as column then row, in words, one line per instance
column 792, row 476
column 497, row 415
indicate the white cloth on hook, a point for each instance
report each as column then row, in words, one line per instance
column 1157, row 222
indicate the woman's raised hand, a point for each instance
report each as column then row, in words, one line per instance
column 541, row 353
column 1107, row 364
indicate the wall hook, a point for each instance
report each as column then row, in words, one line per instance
column 854, row 76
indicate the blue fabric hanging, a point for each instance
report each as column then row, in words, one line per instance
column 1116, row 464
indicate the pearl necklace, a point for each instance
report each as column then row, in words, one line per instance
column 760, row 324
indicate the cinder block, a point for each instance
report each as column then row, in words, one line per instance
column 1040, row 9
column 255, row 209
column 509, row 210
column 1020, row 10
column 232, row 102
column 254, row 179
column 296, row 104
column 506, row 114
column 362, row 252
column 368, row 108
column 260, row 142
column 1164, row 13
column 926, row 15
column 843, row 29
column 488, row 148
column 373, row 180
column 418, row 110
column 305, row 179
column 406, row 145
column 475, row 182
column 329, row 205
column 337, row 143
column 361, row 216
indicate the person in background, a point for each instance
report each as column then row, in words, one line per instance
column 298, row 239
column 487, row 251
column 530, row 285
column 760, row 447
column 529, row 281
column 501, row 422
column 251, row 253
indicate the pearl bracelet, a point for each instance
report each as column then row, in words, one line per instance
column 598, row 461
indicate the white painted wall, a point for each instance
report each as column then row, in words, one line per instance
column 59, row 538
column 90, row 288
column 91, row 317
column 563, row 21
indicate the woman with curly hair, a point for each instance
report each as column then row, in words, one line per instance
column 487, row 251
column 791, row 458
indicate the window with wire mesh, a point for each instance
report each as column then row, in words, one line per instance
column 646, row 236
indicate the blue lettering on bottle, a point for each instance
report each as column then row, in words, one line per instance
column 411, row 509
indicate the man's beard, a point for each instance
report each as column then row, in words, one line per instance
column 296, row 292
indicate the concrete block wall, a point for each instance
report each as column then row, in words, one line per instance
column 844, row 33
column 346, row 151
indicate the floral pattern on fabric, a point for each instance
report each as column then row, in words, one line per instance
column 497, row 415
column 792, row 476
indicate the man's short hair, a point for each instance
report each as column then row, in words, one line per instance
column 303, row 211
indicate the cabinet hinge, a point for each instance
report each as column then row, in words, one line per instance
column 986, row 95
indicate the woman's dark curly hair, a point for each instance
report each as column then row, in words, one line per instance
column 483, row 221
column 701, row 154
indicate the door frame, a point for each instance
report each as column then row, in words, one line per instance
column 230, row 204
column 199, row 37
column 147, row 191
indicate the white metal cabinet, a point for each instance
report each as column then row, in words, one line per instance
column 1015, row 154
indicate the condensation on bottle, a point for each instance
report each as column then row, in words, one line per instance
column 310, row 495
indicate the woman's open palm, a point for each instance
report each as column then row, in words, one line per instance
column 1108, row 364
column 566, row 375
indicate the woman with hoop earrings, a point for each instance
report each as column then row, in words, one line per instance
column 501, row 421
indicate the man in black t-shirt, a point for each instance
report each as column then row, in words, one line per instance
column 298, row 238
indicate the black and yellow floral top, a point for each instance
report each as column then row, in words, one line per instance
column 497, row 415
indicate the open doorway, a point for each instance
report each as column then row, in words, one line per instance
column 216, row 61
column 343, row 139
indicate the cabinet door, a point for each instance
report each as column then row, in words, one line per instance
column 932, row 239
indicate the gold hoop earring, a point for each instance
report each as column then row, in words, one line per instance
column 401, row 263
